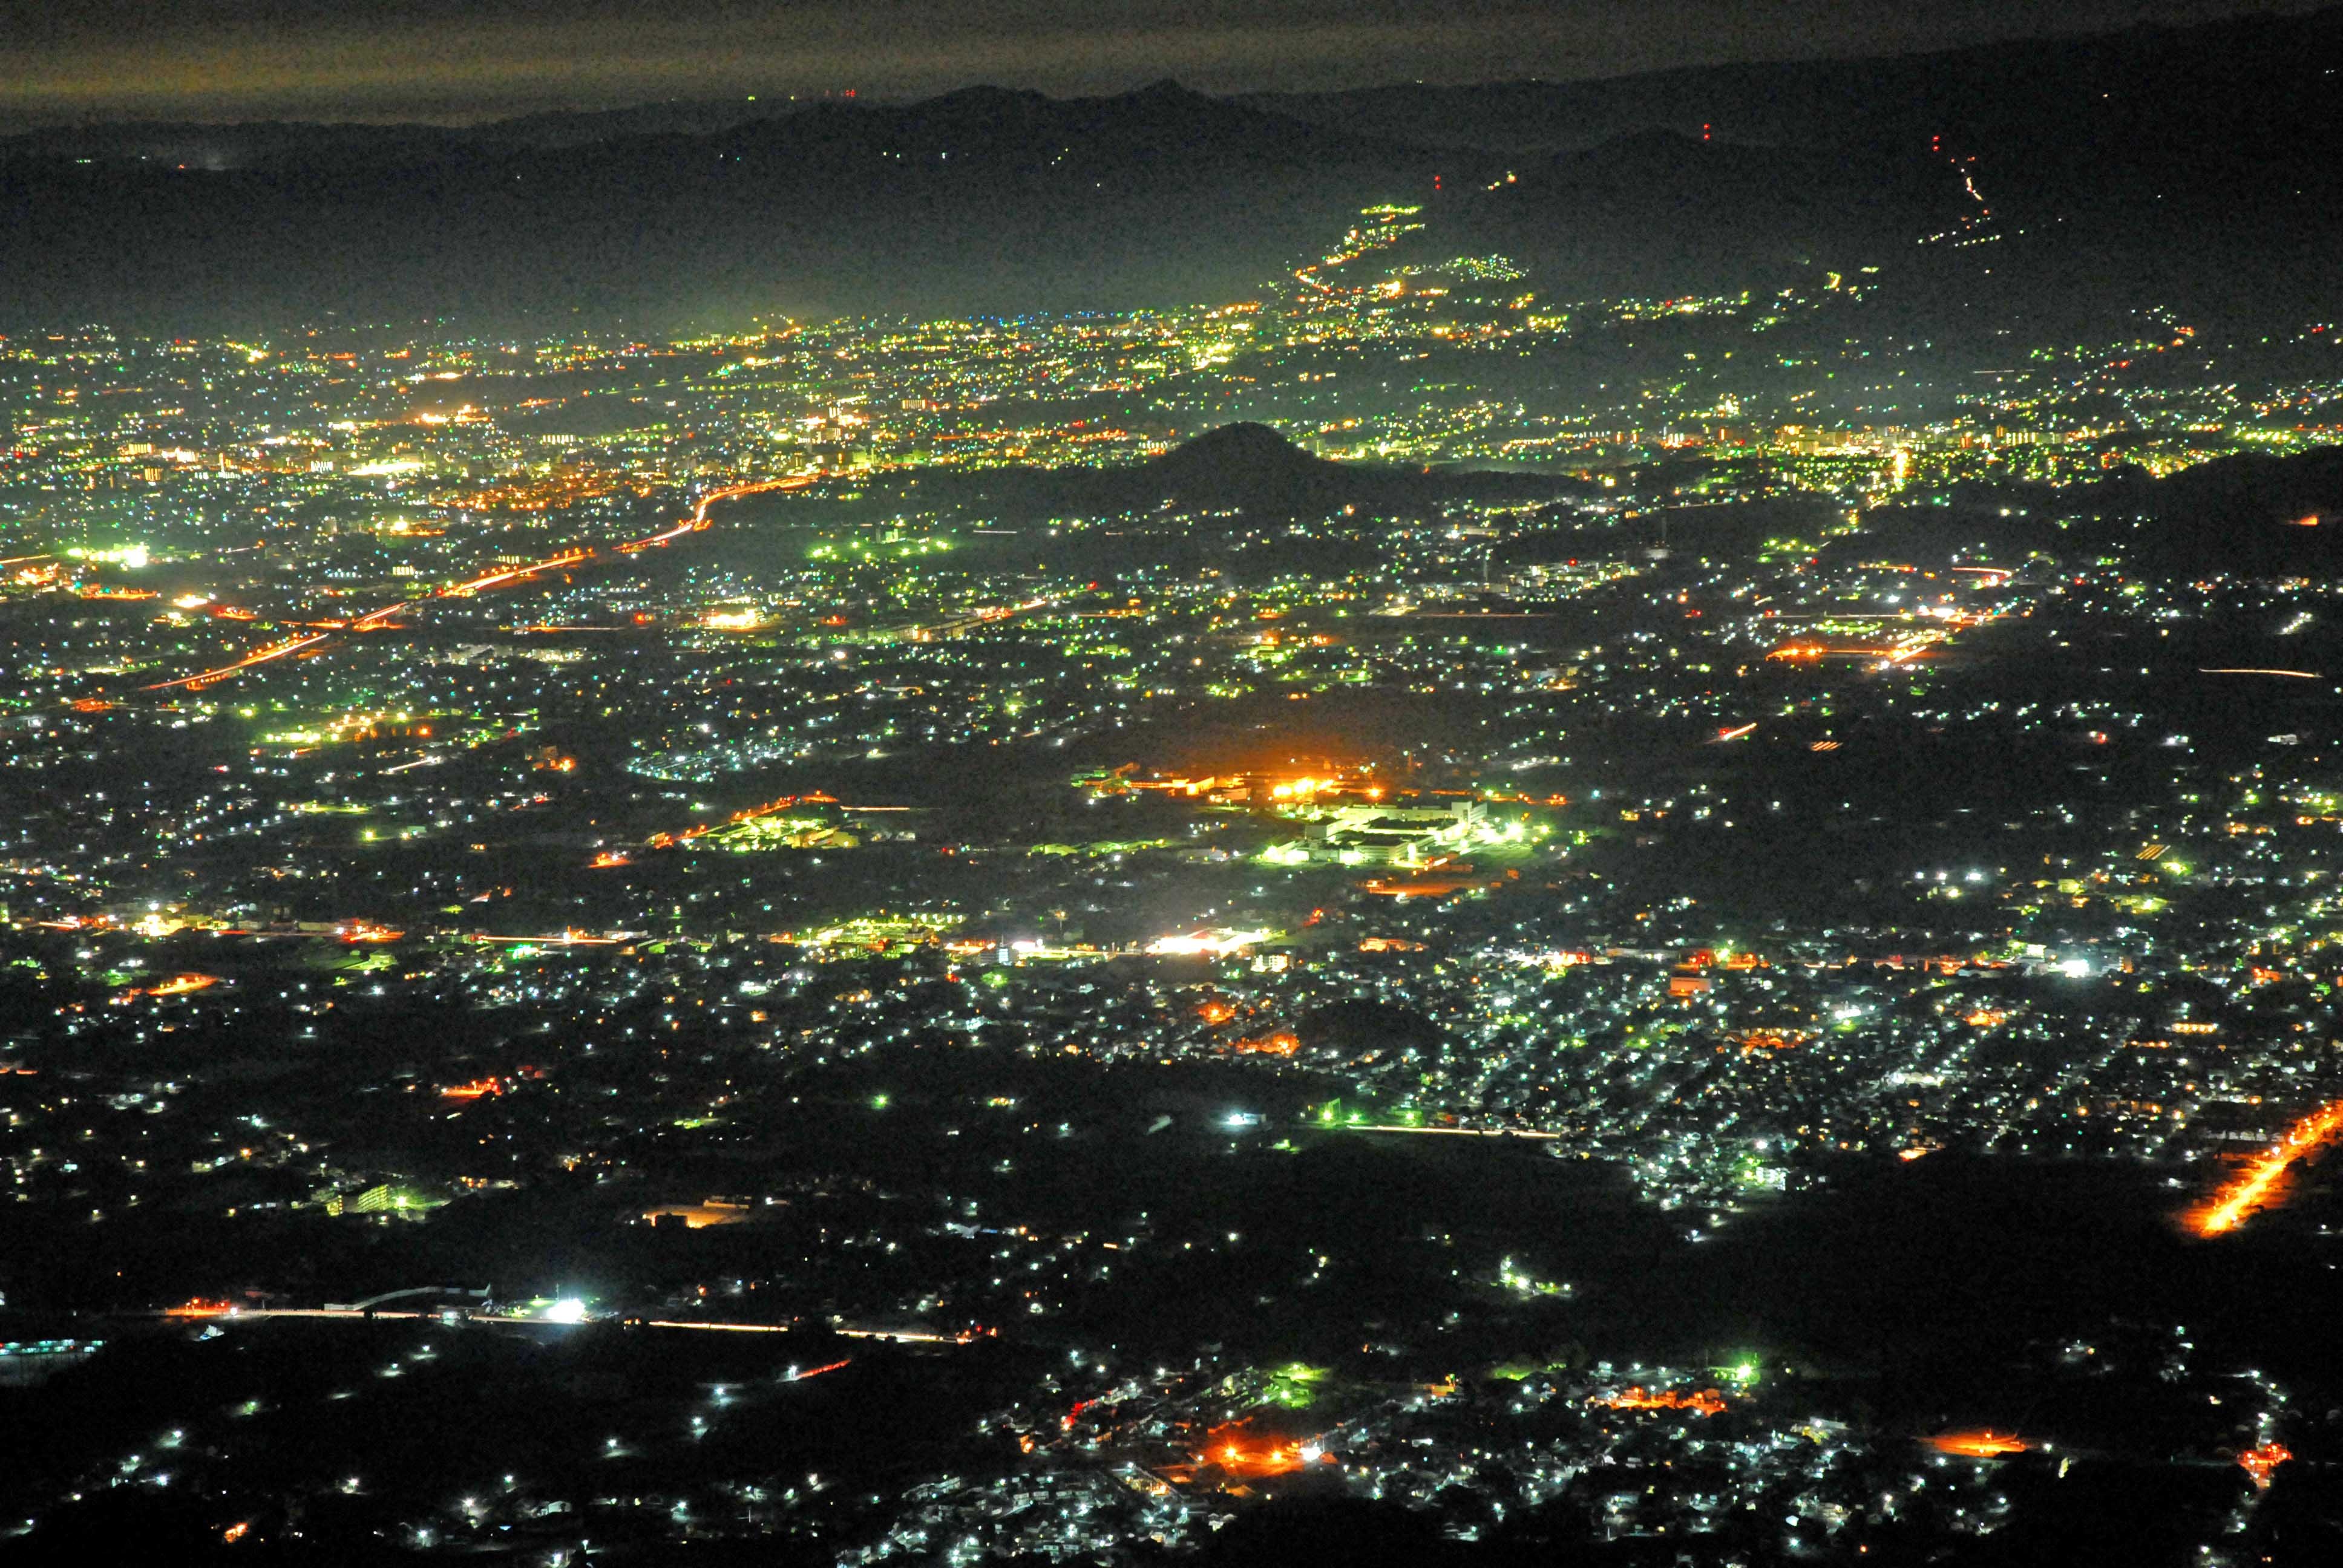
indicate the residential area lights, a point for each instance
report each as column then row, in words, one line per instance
column 1233, row 964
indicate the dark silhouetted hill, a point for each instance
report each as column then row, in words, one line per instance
column 2248, row 516
column 1246, row 469
column 1244, row 465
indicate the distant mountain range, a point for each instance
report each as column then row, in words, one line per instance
column 980, row 201
column 2242, row 83
column 2175, row 166
column 261, row 143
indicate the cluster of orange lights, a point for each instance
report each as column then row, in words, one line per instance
column 1417, row 888
column 1276, row 1459
column 748, row 814
column 1702, row 1402
column 1755, row 1039
column 1304, row 788
column 2260, row 1462
column 476, row 1089
column 177, row 985
column 1982, row 1443
column 1307, row 789
column 1814, row 650
column 1278, row 1044
column 2232, row 1205
column 1226, row 1447
column 197, row 1308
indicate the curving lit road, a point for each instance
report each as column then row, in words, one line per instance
column 507, row 577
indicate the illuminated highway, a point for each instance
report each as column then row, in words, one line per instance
column 1449, row 1131
column 2289, row 674
column 209, row 676
column 362, row 1313
column 2234, row 1204
column 989, row 616
column 576, row 554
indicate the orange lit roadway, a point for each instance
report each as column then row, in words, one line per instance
column 505, row 577
column 1443, row 1131
column 990, row 616
column 349, row 1314
column 2235, row 1202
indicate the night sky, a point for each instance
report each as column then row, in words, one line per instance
column 461, row 60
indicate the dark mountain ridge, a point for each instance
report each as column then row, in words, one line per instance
column 2176, row 167
column 980, row 201
column 2245, row 72
column 248, row 144
column 2249, row 514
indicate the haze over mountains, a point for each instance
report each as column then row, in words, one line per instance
column 2185, row 167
